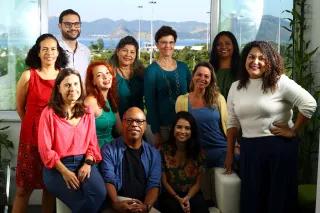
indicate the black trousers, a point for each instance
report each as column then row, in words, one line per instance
column 268, row 170
column 171, row 205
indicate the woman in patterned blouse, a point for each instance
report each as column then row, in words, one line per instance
column 182, row 168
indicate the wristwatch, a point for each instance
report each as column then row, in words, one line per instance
column 89, row 162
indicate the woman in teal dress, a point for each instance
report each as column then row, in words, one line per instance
column 129, row 74
column 164, row 80
column 102, row 98
column 225, row 59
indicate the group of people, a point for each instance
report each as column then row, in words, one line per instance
column 83, row 132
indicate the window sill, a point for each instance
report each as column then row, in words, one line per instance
column 9, row 116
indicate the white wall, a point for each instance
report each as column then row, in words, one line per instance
column 314, row 35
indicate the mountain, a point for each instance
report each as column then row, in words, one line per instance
column 186, row 30
column 120, row 28
column 120, row 32
column 270, row 28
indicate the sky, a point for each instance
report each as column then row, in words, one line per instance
column 167, row 10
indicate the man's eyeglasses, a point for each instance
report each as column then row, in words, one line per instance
column 70, row 24
column 130, row 121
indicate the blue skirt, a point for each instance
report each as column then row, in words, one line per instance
column 268, row 169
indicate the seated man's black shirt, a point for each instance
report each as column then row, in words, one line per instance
column 134, row 181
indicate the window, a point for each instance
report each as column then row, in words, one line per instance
column 113, row 20
column 19, row 28
column 256, row 20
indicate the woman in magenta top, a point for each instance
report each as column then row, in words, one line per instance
column 68, row 146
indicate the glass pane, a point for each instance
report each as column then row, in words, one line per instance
column 19, row 28
column 256, row 20
column 140, row 19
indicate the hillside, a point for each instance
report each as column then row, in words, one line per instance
column 108, row 28
column 113, row 29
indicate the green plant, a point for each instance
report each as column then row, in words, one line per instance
column 5, row 142
column 301, row 71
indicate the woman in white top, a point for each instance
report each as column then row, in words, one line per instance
column 261, row 104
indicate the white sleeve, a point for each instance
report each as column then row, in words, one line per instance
column 233, row 120
column 298, row 96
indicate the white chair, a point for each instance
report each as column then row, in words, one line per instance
column 214, row 210
column 61, row 207
column 227, row 190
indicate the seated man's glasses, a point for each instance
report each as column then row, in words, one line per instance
column 70, row 24
column 130, row 121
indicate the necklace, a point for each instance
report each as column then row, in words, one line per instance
column 125, row 73
column 172, row 94
column 169, row 66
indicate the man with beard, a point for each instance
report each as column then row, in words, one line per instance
column 131, row 168
column 78, row 54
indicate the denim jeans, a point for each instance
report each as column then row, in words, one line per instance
column 88, row 198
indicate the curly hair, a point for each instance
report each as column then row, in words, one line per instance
column 92, row 89
column 165, row 31
column 137, row 66
column 193, row 145
column 212, row 90
column 33, row 60
column 56, row 101
column 274, row 66
column 235, row 60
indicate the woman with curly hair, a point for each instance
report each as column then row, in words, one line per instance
column 261, row 104
column 225, row 59
column 102, row 98
column 34, row 87
column 182, row 168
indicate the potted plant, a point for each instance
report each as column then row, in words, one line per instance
column 5, row 145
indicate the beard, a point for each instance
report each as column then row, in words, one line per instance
column 67, row 36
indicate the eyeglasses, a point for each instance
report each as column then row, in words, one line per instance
column 130, row 121
column 70, row 24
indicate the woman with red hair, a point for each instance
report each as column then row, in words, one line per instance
column 102, row 98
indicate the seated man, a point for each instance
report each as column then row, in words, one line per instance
column 131, row 167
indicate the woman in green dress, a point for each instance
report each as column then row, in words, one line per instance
column 129, row 74
column 102, row 98
column 225, row 59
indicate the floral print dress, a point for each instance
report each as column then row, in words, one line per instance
column 180, row 177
